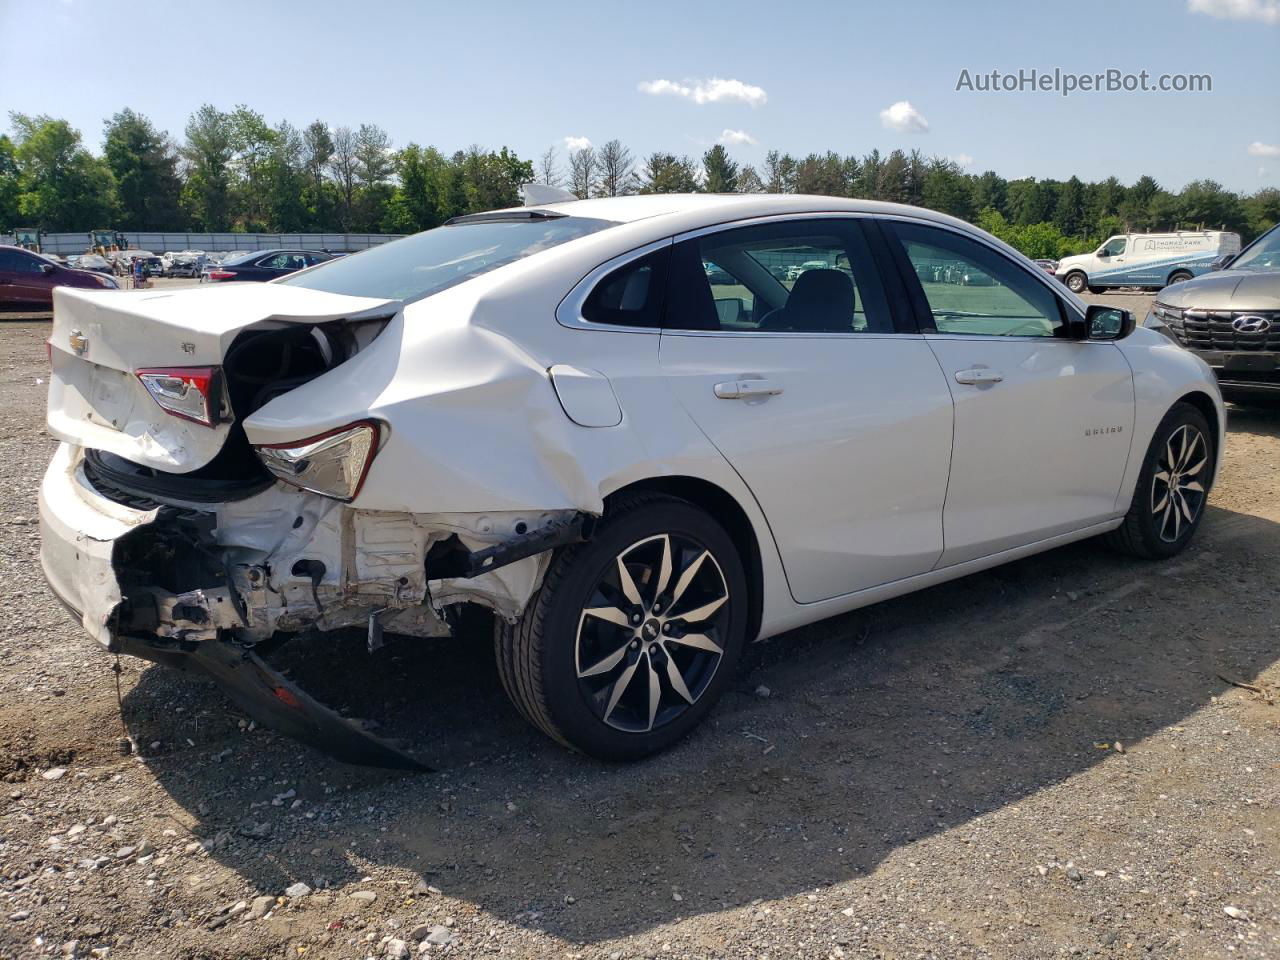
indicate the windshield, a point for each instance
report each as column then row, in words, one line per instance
column 1261, row 255
column 429, row 262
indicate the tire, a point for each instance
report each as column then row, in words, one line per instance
column 1096, row 290
column 1076, row 282
column 587, row 680
column 1159, row 525
column 1178, row 276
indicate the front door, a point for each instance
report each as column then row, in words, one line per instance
column 779, row 342
column 1042, row 422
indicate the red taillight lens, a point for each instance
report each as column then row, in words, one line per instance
column 192, row 393
column 221, row 274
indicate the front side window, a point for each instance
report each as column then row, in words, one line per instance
column 1114, row 247
column 973, row 290
column 1261, row 255
column 799, row 276
column 434, row 260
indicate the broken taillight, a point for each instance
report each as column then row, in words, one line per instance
column 333, row 464
column 192, row 393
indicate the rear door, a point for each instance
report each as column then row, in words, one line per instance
column 1042, row 422
column 780, row 343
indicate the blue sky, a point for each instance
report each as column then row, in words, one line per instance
column 799, row 78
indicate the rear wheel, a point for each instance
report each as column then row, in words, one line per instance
column 633, row 635
column 1076, row 282
column 1172, row 487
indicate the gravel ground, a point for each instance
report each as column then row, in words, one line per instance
column 1052, row 759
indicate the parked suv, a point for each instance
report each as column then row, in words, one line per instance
column 1231, row 319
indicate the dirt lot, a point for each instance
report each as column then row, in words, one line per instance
column 1052, row 759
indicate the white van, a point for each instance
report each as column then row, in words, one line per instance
column 1146, row 260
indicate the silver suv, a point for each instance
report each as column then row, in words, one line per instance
column 1231, row 319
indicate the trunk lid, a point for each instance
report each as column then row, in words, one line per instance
column 100, row 339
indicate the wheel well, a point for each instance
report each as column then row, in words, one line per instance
column 1204, row 403
column 727, row 512
column 1174, row 273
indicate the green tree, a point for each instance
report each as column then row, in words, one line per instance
column 989, row 189
column 145, row 166
column 1068, row 213
column 253, row 142
column 719, row 171
column 318, row 193
column 416, row 203
column 1262, row 209
column 780, row 172
column 667, row 173
column 9, row 186
column 207, row 153
column 286, row 181
column 821, row 174
column 946, row 189
column 1205, row 204
column 61, row 186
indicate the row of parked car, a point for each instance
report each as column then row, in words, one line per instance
column 27, row 278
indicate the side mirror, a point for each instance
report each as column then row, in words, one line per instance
column 1107, row 323
column 46, row 268
column 1222, row 262
column 729, row 310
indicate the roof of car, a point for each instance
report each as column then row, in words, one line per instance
column 717, row 207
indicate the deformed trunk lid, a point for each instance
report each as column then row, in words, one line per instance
column 101, row 338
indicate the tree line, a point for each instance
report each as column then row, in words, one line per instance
column 232, row 170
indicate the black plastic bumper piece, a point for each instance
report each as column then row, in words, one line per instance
column 275, row 701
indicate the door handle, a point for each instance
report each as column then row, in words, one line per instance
column 979, row 375
column 745, row 389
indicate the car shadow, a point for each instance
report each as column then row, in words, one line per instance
column 881, row 727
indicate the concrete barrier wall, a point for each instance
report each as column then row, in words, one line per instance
column 69, row 243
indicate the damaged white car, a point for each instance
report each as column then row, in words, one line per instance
column 641, row 431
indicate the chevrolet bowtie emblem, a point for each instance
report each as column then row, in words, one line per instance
column 79, row 342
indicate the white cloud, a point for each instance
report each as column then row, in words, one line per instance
column 1264, row 11
column 1260, row 149
column 962, row 160
column 713, row 90
column 904, row 118
column 574, row 144
column 735, row 138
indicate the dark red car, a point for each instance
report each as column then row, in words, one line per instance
column 27, row 279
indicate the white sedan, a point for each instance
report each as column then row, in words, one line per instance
column 550, row 415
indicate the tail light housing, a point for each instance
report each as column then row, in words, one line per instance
column 221, row 274
column 333, row 464
column 192, row 393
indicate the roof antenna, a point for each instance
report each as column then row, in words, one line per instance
column 536, row 194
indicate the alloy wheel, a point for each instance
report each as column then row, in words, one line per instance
column 1177, row 487
column 651, row 636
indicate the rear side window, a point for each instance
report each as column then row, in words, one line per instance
column 435, row 260
column 802, row 276
column 631, row 296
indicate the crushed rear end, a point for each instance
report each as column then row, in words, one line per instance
column 173, row 532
